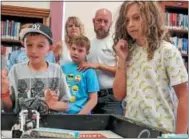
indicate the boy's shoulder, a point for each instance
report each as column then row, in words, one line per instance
column 19, row 68
column 20, row 65
column 71, row 64
column 54, row 65
column 90, row 71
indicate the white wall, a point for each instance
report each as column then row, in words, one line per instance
column 42, row 4
column 86, row 11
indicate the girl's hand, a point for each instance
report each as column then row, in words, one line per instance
column 121, row 49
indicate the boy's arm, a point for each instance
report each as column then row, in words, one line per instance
column 7, row 102
column 92, row 86
column 64, row 89
column 5, row 94
column 90, row 104
column 58, row 106
column 61, row 103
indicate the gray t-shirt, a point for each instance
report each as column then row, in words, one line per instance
column 26, row 84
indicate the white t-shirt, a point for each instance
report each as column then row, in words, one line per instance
column 101, row 51
column 149, row 85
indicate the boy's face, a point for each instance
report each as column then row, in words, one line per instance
column 37, row 48
column 134, row 22
column 78, row 53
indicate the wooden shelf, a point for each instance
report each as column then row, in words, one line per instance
column 23, row 15
column 175, row 4
column 179, row 7
column 10, row 42
column 179, row 31
column 184, row 55
column 19, row 11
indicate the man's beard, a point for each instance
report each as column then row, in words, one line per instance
column 101, row 33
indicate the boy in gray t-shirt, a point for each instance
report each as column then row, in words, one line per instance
column 36, row 79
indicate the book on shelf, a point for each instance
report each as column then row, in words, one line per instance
column 181, row 44
column 9, row 49
column 176, row 21
column 10, row 30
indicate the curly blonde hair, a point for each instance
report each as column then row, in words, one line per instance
column 154, row 28
column 76, row 21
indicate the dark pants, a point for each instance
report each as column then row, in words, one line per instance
column 107, row 104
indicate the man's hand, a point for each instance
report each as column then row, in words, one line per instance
column 4, row 81
column 84, row 66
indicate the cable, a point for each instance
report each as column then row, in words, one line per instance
column 144, row 131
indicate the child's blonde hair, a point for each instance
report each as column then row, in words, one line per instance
column 81, row 41
column 154, row 28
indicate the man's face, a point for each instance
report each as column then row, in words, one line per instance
column 102, row 23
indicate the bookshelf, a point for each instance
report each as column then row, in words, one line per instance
column 176, row 20
column 12, row 18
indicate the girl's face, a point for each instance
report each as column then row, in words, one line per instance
column 134, row 22
column 73, row 29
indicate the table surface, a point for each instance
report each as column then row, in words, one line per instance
column 83, row 134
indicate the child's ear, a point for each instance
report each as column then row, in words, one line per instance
column 50, row 47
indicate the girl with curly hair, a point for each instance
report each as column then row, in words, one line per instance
column 154, row 85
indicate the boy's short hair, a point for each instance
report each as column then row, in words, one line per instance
column 37, row 28
column 81, row 41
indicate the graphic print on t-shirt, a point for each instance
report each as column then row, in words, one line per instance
column 22, row 89
column 34, row 88
column 37, row 89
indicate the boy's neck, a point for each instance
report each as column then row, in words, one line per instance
column 38, row 67
column 79, row 63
